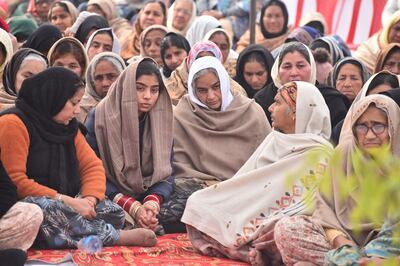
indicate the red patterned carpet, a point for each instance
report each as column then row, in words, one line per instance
column 171, row 250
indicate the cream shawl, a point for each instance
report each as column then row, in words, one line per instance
column 90, row 99
column 117, row 134
column 232, row 212
column 212, row 145
column 335, row 213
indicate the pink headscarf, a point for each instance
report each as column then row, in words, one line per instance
column 203, row 46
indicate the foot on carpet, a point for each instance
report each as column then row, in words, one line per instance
column 137, row 237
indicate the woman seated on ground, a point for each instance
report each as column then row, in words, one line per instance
column 253, row 69
column 296, row 63
column 380, row 82
column 131, row 130
column 153, row 12
column 62, row 14
column 23, row 64
column 210, row 123
column 19, row 223
column 389, row 59
column 177, row 83
column 68, row 52
column 224, row 42
column 52, row 165
column 103, row 70
column 369, row 50
column 348, row 76
column 237, row 215
column 272, row 29
column 173, row 50
column 328, row 236
column 102, row 40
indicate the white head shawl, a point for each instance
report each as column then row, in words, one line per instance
column 116, row 47
column 211, row 62
column 200, row 27
column 275, row 67
column 171, row 15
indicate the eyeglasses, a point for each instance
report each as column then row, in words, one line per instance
column 109, row 76
column 377, row 128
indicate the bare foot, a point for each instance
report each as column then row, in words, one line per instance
column 137, row 237
column 256, row 258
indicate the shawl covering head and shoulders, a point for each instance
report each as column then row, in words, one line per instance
column 347, row 60
column 43, row 38
column 332, row 211
column 384, row 54
column 116, row 46
column 41, row 97
column 204, row 139
column 200, row 26
column 91, row 98
column 8, row 93
column 262, row 185
column 282, row 6
column 71, row 9
column 117, row 134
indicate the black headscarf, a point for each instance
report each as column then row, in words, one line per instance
column 394, row 94
column 243, row 56
column 12, row 67
column 41, row 97
column 264, row 31
column 90, row 23
column 43, row 38
column 172, row 39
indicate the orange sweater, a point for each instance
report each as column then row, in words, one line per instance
column 14, row 147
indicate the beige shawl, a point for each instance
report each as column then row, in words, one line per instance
column 335, row 213
column 232, row 212
column 90, row 99
column 177, row 85
column 269, row 44
column 212, row 145
column 6, row 100
column 117, row 134
column 369, row 50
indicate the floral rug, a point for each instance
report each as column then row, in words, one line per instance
column 171, row 250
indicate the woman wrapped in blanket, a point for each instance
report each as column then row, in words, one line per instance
column 131, row 130
column 329, row 237
column 52, row 166
column 235, row 218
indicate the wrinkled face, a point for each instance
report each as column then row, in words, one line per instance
column 174, row 56
column 273, row 19
column 394, row 33
column 392, row 63
column 349, row 81
column 182, row 14
column 371, row 129
column 69, row 61
column 294, row 67
column 102, row 42
column 104, row 75
column 283, row 119
column 221, row 41
column 152, row 44
column 208, row 90
column 255, row 75
column 148, row 90
column 71, row 108
column 42, row 8
column 151, row 15
column 95, row 9
column 27, row 69
column 60, row 18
